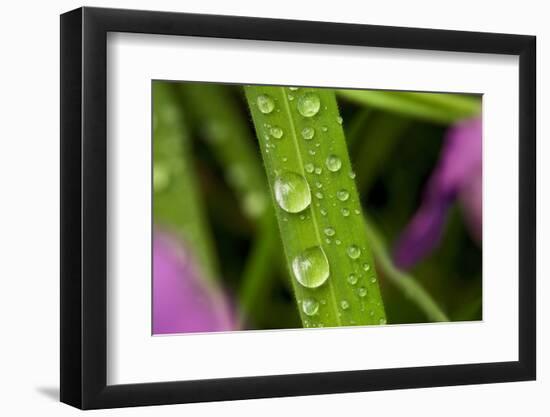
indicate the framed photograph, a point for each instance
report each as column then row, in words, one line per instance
column 258, row 208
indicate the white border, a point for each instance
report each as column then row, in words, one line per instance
column 134, row 356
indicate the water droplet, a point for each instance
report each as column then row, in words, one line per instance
column 310, row 306
column 285, row 159
column 333, row 163
column 382, row 321
column 338, row 242
column 311, row 267
column 293, row 88
column 292, row 192
column 354, row 252
column 323, row 212
column 290, row 97
column 373, row 280
column 328, row 241
column 318, row 170
column 362, row 292
column 161, row 177
column 318, row 184
column 345, row 212
column 309, row 168
column 352, row 175
column 308, row 133
column 312, row 152
column 276, row 132
column 356, row 211
column 319, row 195
column 342, row 195
column 339, row 120
column 324, row 129
column 344, row 304
column 366, row 267
column 309, row 104
column 329, row 231
column 265, row 103
column 352, row 279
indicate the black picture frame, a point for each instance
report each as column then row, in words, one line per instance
column 84, row 207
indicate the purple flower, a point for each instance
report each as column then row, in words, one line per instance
column 457, row 176
column 183, row 301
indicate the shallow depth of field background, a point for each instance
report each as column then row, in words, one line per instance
column 394, row 154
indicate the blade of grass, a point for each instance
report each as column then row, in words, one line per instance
column 378, row 140
column 317, row 205
column 177, row 203
column 432, row 107
column 216, row 113
column 215, row 110
column 404, row 281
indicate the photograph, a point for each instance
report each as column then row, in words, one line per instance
column 291, row 207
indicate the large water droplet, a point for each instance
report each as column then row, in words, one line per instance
column 309, row 104
column 308, row 133
column 292, row 192
column 333, row 163
column 276, row 132
column 310, row 306
column 311, row 267
column 342, row 195
column 265, row 103
column 354, row 251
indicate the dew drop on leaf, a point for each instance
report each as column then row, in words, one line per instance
column 310, row 306
column 292, row 192
column 344, row 304
column 333, row 163
column 352, row 279
column 366, row 267
column 345, row 212
column 329, row 231
column 276, row 132
column 339, row 120
column 265, row 103
column 309, row 168
column 342, row 195
column 311, row 268
column 309, row 104
column 354, row 251
column 308, row 133
column 362, row 292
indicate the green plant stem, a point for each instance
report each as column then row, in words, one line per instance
column 177, row 202
column 287, row 149
column 402, row 280
column 258, row 272
column 434, row 107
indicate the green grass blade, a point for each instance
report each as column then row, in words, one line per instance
column 402, row 280
column 433, row 107
column 317, row 205
column 226, row 130
column 230, row 139
column 177, row 203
